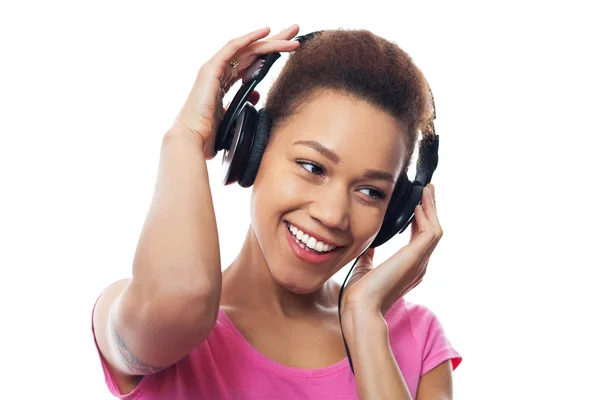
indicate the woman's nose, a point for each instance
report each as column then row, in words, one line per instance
column 331, row 207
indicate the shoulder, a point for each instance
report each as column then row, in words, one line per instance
column 417, row 317
column 416, row 324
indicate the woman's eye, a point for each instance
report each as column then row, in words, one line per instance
column 375, row 193
column 316, row 169
column 312, row 167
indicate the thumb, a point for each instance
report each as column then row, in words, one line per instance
column 366, row 260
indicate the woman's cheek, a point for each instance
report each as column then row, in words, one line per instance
column 294, row 187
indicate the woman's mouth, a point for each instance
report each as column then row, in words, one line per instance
column 308, row 248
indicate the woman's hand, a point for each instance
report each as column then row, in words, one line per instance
column 203, row 110
column 375, row 290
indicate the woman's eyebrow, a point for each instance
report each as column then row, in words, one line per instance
column 376, row 174
column 330, row 154
column 321, row 149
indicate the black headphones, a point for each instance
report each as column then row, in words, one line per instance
column 244, row 133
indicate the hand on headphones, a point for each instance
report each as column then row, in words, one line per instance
column 376, row 290
column 203, row 110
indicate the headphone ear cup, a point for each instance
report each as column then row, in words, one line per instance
column 259, row 144
column 235, row 156
column 400, row 211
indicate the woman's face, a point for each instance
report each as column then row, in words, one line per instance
column 334, row 194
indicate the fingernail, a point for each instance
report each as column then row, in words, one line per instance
column 426, row 189
column 432, row 194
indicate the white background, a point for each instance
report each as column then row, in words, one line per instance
column 87, row 89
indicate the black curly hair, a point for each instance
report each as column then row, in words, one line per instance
column 359, row 64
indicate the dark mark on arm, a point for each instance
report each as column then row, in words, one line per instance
column 135, row 366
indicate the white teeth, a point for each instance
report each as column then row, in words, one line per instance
column 304, row 240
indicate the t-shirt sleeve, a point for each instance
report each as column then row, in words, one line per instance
column 436, row 347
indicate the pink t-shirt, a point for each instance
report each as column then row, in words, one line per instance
column 226, row 366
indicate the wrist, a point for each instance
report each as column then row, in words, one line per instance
column 177, row 133
column 363, row 322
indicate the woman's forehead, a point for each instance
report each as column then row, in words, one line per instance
column 349, row 128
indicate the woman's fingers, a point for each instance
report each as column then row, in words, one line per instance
column 425, row 233
column 279, row 42
column 406, row 269
column 286, row 34
column 430, row 210
column 275, row 43
column 245, row 49
column 265, row 47
column 234, row 45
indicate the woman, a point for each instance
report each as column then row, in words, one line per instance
column 267, row 327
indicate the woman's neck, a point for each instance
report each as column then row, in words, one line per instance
column 249, row 284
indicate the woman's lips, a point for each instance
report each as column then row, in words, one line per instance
column 306, row 255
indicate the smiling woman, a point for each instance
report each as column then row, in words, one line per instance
column 340, row 125
column 311, row 177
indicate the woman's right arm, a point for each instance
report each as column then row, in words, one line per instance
column 169, row 306
column 171, row 303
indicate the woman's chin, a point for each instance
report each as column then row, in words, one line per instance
column 296, row 288
column 298, row 284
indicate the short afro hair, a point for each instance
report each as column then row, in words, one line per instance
column 359, row 64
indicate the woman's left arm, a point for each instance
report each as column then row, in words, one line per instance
column 375, row 369
column 437, row 383
column 376, row 372
column 370, row 294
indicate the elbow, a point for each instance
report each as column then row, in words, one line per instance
column 190, row 305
